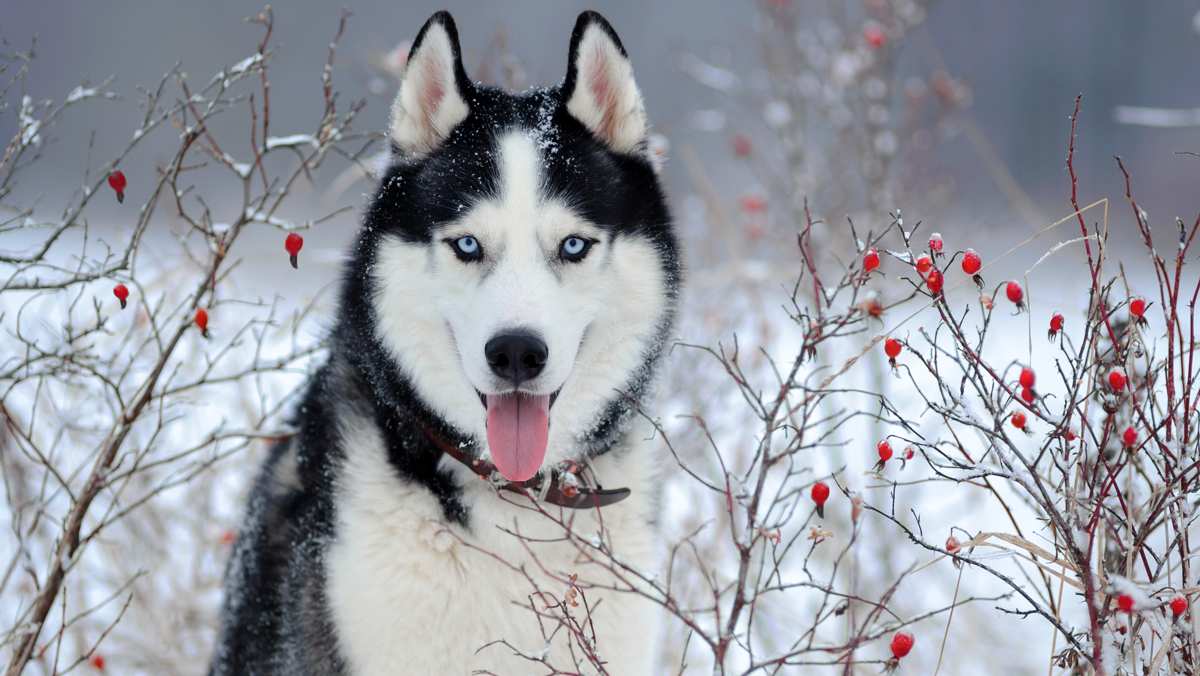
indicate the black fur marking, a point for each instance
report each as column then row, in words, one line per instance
column 275, row 578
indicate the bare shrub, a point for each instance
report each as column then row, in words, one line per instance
column 107, row 409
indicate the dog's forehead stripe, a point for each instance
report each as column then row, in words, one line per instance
column 520, row 172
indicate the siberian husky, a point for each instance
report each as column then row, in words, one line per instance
column 469, row 468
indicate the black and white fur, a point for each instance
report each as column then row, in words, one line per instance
column 365, row 549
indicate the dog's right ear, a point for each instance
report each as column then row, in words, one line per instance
column 599, row 89
column 433, row 91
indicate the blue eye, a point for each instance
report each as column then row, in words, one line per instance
column 467, row 248
column 574, row 248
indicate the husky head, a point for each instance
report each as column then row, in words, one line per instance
column 518, row 269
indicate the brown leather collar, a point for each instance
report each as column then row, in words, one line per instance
column 567, row 486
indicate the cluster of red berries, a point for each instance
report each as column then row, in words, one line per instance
column 293, row 243
column 1178, row 605
column 935, row 280
column 1027, row 380
column 971, row 265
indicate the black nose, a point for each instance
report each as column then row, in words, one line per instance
column 516, row 356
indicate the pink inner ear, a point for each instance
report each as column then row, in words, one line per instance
column 603, row 93
column 432, row 92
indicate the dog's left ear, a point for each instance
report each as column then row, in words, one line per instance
column 599, row 88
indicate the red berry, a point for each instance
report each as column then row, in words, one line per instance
column 753, row 204
column 1027, row 377
column 97, row 661
column 870, row 260
column 202, row 321
column 885, row 451
column 874, row 36
column 1116, row 380
column 1018, row 420
column 892, row 347
column 935, row 281
column 952, row 544
column 228, row 537
column 117, row 182
column 935, row 242
column 971, row 263
column 909, row 453
column 122, row 293
column 1014, row 292
column 1125, row 603
column 1056, row 325
column 1027, row 395
column 924, row 264
column 902, row 644
column 1137, row 307
column 1179, row 606
column 820, row 493
column 1070, row 435
column 741, row 145
column 293, row 243
column 1129, row 437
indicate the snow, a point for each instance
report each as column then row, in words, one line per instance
column 245, row 64
column 777, row 113
column 709, row 75
column 261, row 217
column 242, row 168
column 1157, row 117
column 29, row 125
column 80, row 93
column 291, row 141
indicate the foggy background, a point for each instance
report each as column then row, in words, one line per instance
column 1023, row 60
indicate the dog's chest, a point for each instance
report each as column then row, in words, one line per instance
column 411, row 594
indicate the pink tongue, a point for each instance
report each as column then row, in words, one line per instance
column 517, row 427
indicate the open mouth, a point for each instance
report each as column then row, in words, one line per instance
column 518, row 427
column 483, row 397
